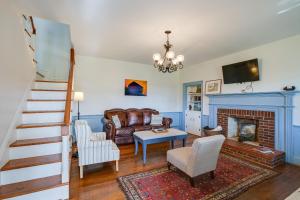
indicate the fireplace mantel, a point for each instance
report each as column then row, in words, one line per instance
column 279, row 102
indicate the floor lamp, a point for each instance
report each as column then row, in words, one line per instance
column 78, row 96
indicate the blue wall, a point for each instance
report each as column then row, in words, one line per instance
column 95, row 121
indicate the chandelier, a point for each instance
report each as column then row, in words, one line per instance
column 168, row 63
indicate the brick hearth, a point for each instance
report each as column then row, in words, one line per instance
column 251, row 153
column 266, row 123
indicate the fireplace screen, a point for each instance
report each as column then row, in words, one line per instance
column 247, row 130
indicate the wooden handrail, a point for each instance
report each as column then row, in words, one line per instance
column 67, row 118
column 32, row 25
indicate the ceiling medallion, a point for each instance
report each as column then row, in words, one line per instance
column 168, row 63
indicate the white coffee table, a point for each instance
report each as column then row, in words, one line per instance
column 149, row 137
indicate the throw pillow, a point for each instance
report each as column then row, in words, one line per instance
column 156, row 120
column 116, row 121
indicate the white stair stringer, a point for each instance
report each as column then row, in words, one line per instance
column 29, row 173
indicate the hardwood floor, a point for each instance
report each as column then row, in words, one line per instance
column 100, row 182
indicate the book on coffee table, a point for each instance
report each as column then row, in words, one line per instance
column 160, row 130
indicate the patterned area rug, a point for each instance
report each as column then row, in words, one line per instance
column 233, row 176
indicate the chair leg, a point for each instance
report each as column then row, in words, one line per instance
column 212, row 174
column 117, row 165
column 81, row 171
column 192, row 182
column 169, row 166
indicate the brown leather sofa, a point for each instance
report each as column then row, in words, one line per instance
column 132, row 120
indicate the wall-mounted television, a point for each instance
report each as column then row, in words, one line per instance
column 246, row 71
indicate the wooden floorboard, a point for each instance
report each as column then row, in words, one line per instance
column 100, row 180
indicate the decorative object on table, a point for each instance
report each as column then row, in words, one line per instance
column 78, row 96
column 162, row 183
column 160, row 130
column 213, row 86
column 202, row 157
column 93, row 147
column 168, row 63
column 289, row 88
column 264, row 150
column 135, row 87
column 212, row 131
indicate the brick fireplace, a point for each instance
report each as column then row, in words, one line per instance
column 265, row 122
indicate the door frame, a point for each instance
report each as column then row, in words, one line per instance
column 184, row 100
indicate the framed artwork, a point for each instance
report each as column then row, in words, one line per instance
column 213, row 86
column 135, row 87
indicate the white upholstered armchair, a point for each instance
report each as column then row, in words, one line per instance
column 201, row 158
column 93, row 147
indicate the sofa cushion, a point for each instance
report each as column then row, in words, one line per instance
column 134, row 117
column 142, row 128
column 124, row 132
column 124, row 140
column 121, row 115
column 147, row 116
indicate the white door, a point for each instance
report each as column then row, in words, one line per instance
column 193, row 122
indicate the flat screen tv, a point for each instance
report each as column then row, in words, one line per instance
column 241, row 72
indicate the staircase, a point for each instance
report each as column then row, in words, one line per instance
column 39, row 159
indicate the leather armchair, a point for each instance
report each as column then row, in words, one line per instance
column 132, row 120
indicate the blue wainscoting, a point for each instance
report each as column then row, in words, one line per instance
column 281, row 103
column 96, row 124
column 296, row 144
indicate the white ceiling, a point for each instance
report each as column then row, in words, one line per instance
column 132, row 30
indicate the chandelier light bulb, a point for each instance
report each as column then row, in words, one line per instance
column 156, row 57
column 174, row 61
column 180, row 58
column 161, row 61
column 170, row 54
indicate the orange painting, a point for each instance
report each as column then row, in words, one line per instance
column 135, row 87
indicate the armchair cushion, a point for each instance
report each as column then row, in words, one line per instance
column 180, row 157
column 98, row 136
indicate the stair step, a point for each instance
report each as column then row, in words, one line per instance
column 27, row 187
column 47, row 90
column 30, row 162
column 48, row 81
column 45, row 117
column 40, row 132
column 40, row 125
column 42, row 111
column 45, row 100
column 39, row 141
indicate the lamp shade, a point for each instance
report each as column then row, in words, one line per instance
column 78, row 96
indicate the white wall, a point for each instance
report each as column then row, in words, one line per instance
column 53, row 43
column 280, row 65
column 17, row 72
column 102, row 81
